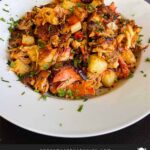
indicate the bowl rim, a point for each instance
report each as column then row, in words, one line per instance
column 93, row 134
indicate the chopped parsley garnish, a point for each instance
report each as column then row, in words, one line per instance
column 79, row 4
column 142, row 71
column 131, row 75
column 80, row 108
column 5, row 10
column 147, row 59
column 21, row 77
column 97, row 22
column 85, row 99
column 60, row 124
column 32, row 74
column 49, row 29
column 73, row 51
column 149, row 40
column 69, row 93
column 71, row 9
column 61, row 92
column 37, row 91
column 44, row 97
column 46, row 66
column 76, row 62
column 2, row 19
column 6, row 4
column 145, row 75
column 9, row 86
column 139, row 41
column 4, row 80
column 90, row 8
column 41, row 44
column 100, row 30
column 12, row 64
column 23, row 93
column 1, row 39
column 13, row 24
column 133, row 15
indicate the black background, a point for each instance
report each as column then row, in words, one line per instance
column 138, row 133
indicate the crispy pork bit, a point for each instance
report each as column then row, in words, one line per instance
column 66, row 76
column 41, row 83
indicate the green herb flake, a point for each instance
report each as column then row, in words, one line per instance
column 46, row 66
column 23, row 93
column 41, row 44
column 12, row 64
column 71, row 9
column 1, row 39
column 6, row 4
column 49, row 29
column 21, row 77
column 13, row 24
column 85, row 99
column 133, row 15
column 5, row 10
column 37, row 91
column 73, row 51
column 145, row 75
column 97, row 22
column 2, row 19
column 32, row 74
column 90, row 8
column 142, row 71
column 76, row 62
column 149, row 40
column 79, row 4
column 61, row 92
column 100, row 30
column 4, row 80
column 139, row 41
column 9, row 86
column 131, row 75
column 44, row 97
column 147, row 59
column 60, row 124
column 80, row 108
column 69, row 93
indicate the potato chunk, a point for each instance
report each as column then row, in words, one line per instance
column 46, row 58
column 19, row 67
column 33, row 52
column 128, row 57
column 67, row 4
column 109, row 77
column 28, row 40
column 97, row 65
column 76, row 27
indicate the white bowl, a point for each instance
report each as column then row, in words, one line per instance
column 114, row 111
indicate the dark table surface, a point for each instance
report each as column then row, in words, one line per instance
column 138, row 133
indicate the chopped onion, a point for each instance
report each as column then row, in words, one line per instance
column 76, row 27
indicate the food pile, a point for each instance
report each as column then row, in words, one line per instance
column 74, row 48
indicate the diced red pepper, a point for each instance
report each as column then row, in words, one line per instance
column 78, row 35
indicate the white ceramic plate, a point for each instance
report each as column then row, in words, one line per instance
column 116, row 110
